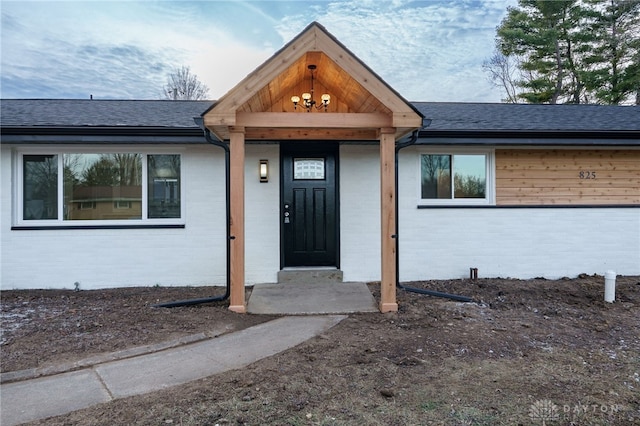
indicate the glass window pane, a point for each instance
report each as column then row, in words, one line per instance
column 164, row 186
column 469, row 176
column 40, row 191
column 436, row 176
column 102, row 186
column 308, row 168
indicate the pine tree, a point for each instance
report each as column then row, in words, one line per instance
column 612, row 56
column 572, row 51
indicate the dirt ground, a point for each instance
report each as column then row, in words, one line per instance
column 526, row 352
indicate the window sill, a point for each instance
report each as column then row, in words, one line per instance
column 480, row 202
column 123, row 226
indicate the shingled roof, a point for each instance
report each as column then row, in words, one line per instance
column 100, row 113
column 445, row 117
column 526, row 117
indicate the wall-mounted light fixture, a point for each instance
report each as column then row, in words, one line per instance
column 307, row 97
column 264, row 171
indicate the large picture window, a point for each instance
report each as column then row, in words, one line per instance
column 456, row 178
column 75, row 188
column 98, row 186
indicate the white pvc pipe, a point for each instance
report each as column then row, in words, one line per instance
column 609, row 286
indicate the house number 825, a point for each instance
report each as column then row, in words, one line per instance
column 587, row 174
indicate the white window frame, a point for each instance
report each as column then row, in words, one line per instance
column 18, row 188
column 490, row 195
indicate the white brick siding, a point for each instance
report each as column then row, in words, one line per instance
column 98, row 258
column 520, row 243
column 262, row 216
column 436, row 243
column 360, row 212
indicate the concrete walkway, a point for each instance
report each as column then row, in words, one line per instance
column 59, row 394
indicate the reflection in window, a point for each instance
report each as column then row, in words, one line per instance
column 40, row 188
column 469, row 173
column 164, row 186
column 468, row 180
column 97, row 185
column 308, row 168
column 436, row 176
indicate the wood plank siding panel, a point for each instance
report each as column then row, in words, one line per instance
column 567, row 177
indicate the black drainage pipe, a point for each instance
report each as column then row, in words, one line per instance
column 190, row 302
column 399, row 146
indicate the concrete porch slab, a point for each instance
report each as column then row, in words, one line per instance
column 311, row 298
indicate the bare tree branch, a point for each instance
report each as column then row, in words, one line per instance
column 503, row 73
column 183, row 85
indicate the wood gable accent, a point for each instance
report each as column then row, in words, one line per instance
column 362, row 107
column 361, row 103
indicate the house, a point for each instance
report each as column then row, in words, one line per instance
column 313, row 161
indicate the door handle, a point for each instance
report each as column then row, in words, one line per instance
column 286, row 213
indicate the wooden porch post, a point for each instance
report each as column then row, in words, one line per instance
column 236, row 147
column 388, row 301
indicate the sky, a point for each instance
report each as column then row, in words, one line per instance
column 427, row 50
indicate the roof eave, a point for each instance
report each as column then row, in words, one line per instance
column 101, row 130
column 511, row 137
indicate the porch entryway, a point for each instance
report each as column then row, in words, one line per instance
column 276, row 103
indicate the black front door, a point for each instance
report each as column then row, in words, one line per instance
column 309, row 213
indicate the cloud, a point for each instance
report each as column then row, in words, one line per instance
column 427, row 50
column 103, row 70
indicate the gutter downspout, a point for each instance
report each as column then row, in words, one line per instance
column 189, row 302
column 399, row 146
